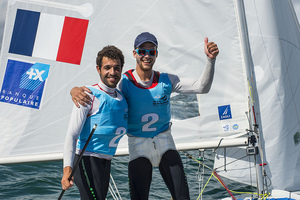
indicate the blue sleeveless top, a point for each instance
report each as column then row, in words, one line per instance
column 111, row 120
column 149, row 109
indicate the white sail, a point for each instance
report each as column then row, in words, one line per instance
column 274, row 39
column 34, row 128
column 32, row 134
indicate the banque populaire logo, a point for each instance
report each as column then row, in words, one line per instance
column 24, row 83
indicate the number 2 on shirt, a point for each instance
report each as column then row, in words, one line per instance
column 119, row 133
column 151, row 118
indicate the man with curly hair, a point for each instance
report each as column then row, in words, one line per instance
column 109, row 111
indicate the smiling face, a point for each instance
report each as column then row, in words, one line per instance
column 145, row 63
column 110, row 71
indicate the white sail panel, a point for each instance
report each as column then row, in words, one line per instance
column 279, row 60
column 181, row 41
column 274, row 40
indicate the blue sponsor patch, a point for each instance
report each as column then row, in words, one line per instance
column 224, row 112
column 226, row 127
column 24, row 83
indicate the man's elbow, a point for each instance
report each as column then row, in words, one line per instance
column 205, row 90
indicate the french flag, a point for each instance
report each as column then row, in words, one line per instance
column 48, row 36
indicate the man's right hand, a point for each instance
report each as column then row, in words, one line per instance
column 65, row 182
column 80, row 97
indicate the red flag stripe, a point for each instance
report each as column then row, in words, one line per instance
column 72, row 40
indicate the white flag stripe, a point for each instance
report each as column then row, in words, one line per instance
column 48, row 36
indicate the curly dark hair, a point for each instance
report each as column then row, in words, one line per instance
column 110, row 52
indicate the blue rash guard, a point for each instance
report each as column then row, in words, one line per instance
column 111, row 120
column 149, row 108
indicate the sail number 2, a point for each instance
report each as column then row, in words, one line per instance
column 119, row 133
column 151, row 118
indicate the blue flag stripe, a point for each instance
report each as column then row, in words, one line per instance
column 24, row 32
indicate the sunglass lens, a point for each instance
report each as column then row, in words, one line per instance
column 152, row 52
column 142, row 52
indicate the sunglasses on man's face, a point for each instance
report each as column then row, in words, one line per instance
column 144, row 52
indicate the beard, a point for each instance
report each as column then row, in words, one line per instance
column 143, row 67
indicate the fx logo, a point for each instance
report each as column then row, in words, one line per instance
column 34, row 76
column 37, row 74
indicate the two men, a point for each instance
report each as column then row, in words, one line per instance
column 149, row 128
column 109, row 111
